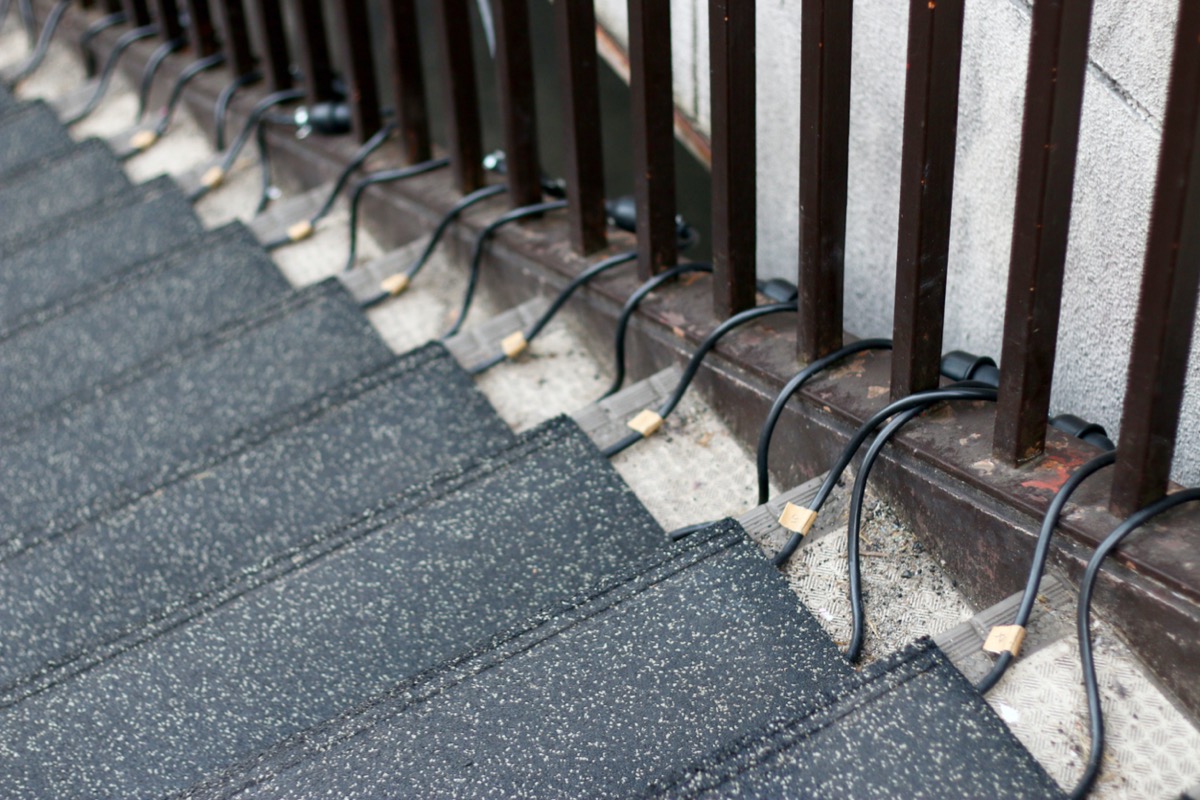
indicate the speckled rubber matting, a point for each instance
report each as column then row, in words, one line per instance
column 28, row 132
column 322, row 626
column 66, row 182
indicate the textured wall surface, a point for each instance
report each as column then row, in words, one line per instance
column 1122, row 121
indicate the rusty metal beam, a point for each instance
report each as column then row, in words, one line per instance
column 653, row 107
column 463, row 127
column 825, row 36
column 1162, row 333
column 734, row 154
column 1046, row 176
column 408, row 79
column 578, row 63
column 517, row 99
column 926, row 192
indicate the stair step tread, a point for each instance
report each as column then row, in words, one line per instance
column 28, row 131
column 59, row 184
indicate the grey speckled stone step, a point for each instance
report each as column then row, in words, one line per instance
column 317, row 629
column 29, row 131
column 613, row 690
column 53, row 262
column 58, row 184
column 907, row 726
column 203, row 285
column 348, row 453
column 182, row 408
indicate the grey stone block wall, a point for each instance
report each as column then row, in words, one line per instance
column 1122, row 122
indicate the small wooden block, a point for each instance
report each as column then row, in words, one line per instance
column 514, row 344
column 142, row 140
column 300, row 231
column 797, row 519
column 394, row 285
column 646, row 423
column 212, row 178
column 1005, row 639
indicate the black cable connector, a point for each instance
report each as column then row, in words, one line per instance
column 517, row 214
column 689, row 374
column 123, row 43
column 579, row 281
column 958, row 365
column 1083, row 622
column 631, row 305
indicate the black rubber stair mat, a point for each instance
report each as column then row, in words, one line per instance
column 220, row 277
column 348, row 452
column 54, row 262
column 29, row 131
column 60, row 184
column 318, row 629
column 95, row 453
column 907, row 726
column 598, row 698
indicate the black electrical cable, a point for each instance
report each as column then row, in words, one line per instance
column 123, row 43
column 5, row 9
column 793, row 386
column 185, row 76
column 28, row 19
column 91, row 32
column 1041, row 551
column 160, row 54
column 523, row 212
column 580, row 280
column 375, row 178
column 34, row 60
column 264, row 168
column 960, row 391
column 235, row 149
column 1083, row 621
column 631, row 305
column 361, row 155
column 221, row 107
column 689, row 374
column 474, row 198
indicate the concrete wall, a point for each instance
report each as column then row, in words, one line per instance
column 1122, row 123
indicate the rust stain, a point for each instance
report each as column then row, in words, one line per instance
column 876, row 391
column 1053, row 472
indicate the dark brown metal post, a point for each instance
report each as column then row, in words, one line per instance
column 734, row 186
column 354, row 27
column 1045, row 178
column 926, row 190
column 653, row 105
column 138, row 13
column 201, row 30
column 312, row 51
column 825, row 36
column 575, row 22
column 1162, row 334
column 273, row 47
column 518, row 107
column 238, row 49
column 458, row 71
column 113, row 6
column 169, row 26
column 87, row 3
column 408, row 79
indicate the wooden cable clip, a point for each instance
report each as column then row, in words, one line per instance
column 1005, row 639
column 646, row 423
column 797, row 519
column 514, row 344
column 300, row 231
column 212, row 178
column 394, row 285
column 143, row 140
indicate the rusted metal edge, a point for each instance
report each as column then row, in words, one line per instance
column 976, row 514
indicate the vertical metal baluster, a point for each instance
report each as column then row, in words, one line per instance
column 201, row 30
column 312, row 51
column 138, row 12
column 926, row 192
column 825, row 36
column 463, row 126
column 169, row 26
column 518, row 106
column 354, row 27
column 408, row 80
column 1167, row 306
column 238, row 48
column 734, row 185
column 1049, row 139
column 653, row 105
column 575, row 22
column 273, row 47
